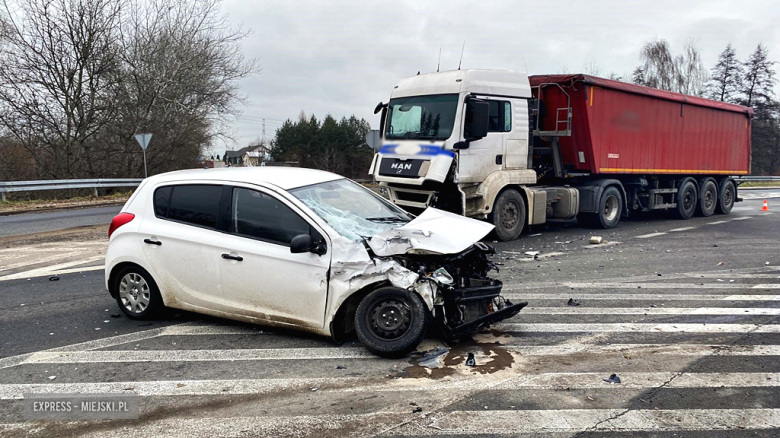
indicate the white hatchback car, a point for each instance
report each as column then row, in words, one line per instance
column 304, row 249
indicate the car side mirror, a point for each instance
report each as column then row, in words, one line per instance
column 301, row 243
column 461, row 145
column 477, row 118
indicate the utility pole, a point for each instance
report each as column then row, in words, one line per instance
column 143, row 140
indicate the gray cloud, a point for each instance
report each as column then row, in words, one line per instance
column 342, row 57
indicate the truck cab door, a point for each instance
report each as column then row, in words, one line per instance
column 487, row 154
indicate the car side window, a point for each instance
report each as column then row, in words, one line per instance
column 261, row 216
column 196, row 204
column 162, row 198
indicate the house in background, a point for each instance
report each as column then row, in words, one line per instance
column 252, row 155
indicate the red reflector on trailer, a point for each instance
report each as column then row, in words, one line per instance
column 118, row 221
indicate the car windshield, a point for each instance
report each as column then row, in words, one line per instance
column 350, row 209
column 421, row 117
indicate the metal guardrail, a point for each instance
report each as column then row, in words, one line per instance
column 64, row 184
column 741, row 179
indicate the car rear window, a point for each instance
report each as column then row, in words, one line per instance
column 196, row 204
column 266, row 218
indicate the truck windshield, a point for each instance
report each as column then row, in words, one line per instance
column 421, row 117
column 350, row 209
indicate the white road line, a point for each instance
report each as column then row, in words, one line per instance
column 114, row 356
column 716, row 223
column 742, row 218
column 682, row 229
column 650, row 311
column 647, row 236
column 50, row 270
column 630, row 380
column 669, row 286
column 12, row 361
column 259, row 354
column 638, row 328
column 641, row 297
column 729, row 275
column 577, row 420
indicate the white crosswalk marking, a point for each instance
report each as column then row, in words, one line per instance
column 660, row 334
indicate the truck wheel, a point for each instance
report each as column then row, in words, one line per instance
column 708, row 199
column 686, row 200
column 390, row 321
column 508, row 215
column 610, row 208
column 728, row 194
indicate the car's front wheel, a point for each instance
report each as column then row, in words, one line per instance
column 137, row 293
column 390, row 321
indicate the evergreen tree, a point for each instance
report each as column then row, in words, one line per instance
column 757, row 82
column 726, row 80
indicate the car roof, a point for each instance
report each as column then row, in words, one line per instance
column 284, row 177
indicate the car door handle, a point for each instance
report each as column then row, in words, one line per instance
column 152, row 242
column 232, row 257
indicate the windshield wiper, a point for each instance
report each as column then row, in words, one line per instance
column 387, row 219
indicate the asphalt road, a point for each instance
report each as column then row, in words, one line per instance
column 687, row 313
column 28, row 223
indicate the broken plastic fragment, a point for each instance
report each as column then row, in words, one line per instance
column 434, row 358
column 416, row 410
column 54, row 278
column 470, row 362
column 572, row 302
column 613, row 379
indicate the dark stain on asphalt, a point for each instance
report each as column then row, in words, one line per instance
column 498, row 358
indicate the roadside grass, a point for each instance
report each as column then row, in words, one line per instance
column 39, row 204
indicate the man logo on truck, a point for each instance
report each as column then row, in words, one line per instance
column 400, row 167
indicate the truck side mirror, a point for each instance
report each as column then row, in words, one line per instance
column 477, row 116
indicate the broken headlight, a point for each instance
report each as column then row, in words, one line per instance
column 443, row 277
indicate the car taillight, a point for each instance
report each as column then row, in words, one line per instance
column 118, row 221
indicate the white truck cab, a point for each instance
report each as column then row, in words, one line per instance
column 456, row 140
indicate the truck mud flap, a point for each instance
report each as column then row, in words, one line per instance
column 491, row 318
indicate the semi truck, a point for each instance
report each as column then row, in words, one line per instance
column 519, row 150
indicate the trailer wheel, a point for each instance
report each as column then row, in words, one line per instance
column 708, row 199
column 686, row 201
column 728, row 194
column 508, row 215
column 390, row 321
column 610, row 209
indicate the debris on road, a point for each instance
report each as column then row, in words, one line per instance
column 52, row 377
column 471, row 362
column 572, row 302
column 417, row 410
column 613, row 379
column 341, row 367
column 54, row 278
column 720, row 263
column 434, row 358
column 116, row 315
column 595, row 240
column 767, row 263
column 532, row 253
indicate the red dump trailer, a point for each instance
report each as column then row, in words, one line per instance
column 657, row 149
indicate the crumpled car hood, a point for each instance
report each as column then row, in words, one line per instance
column 434, row 231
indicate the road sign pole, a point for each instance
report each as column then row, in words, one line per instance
column 146, row 175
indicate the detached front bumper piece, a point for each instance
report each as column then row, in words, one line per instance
column 474, row 304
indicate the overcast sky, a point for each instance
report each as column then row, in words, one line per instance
column 343, row 57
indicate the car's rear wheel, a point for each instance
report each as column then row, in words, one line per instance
column 390, row 321
column 137, row 294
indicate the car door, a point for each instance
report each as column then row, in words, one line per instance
column 260, row 276
column 183, row 244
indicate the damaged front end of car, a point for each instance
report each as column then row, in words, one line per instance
column 464, row 298
column 452, row 270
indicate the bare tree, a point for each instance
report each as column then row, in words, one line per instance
column 591, row 68
column 56, row 62
column 660, row 69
